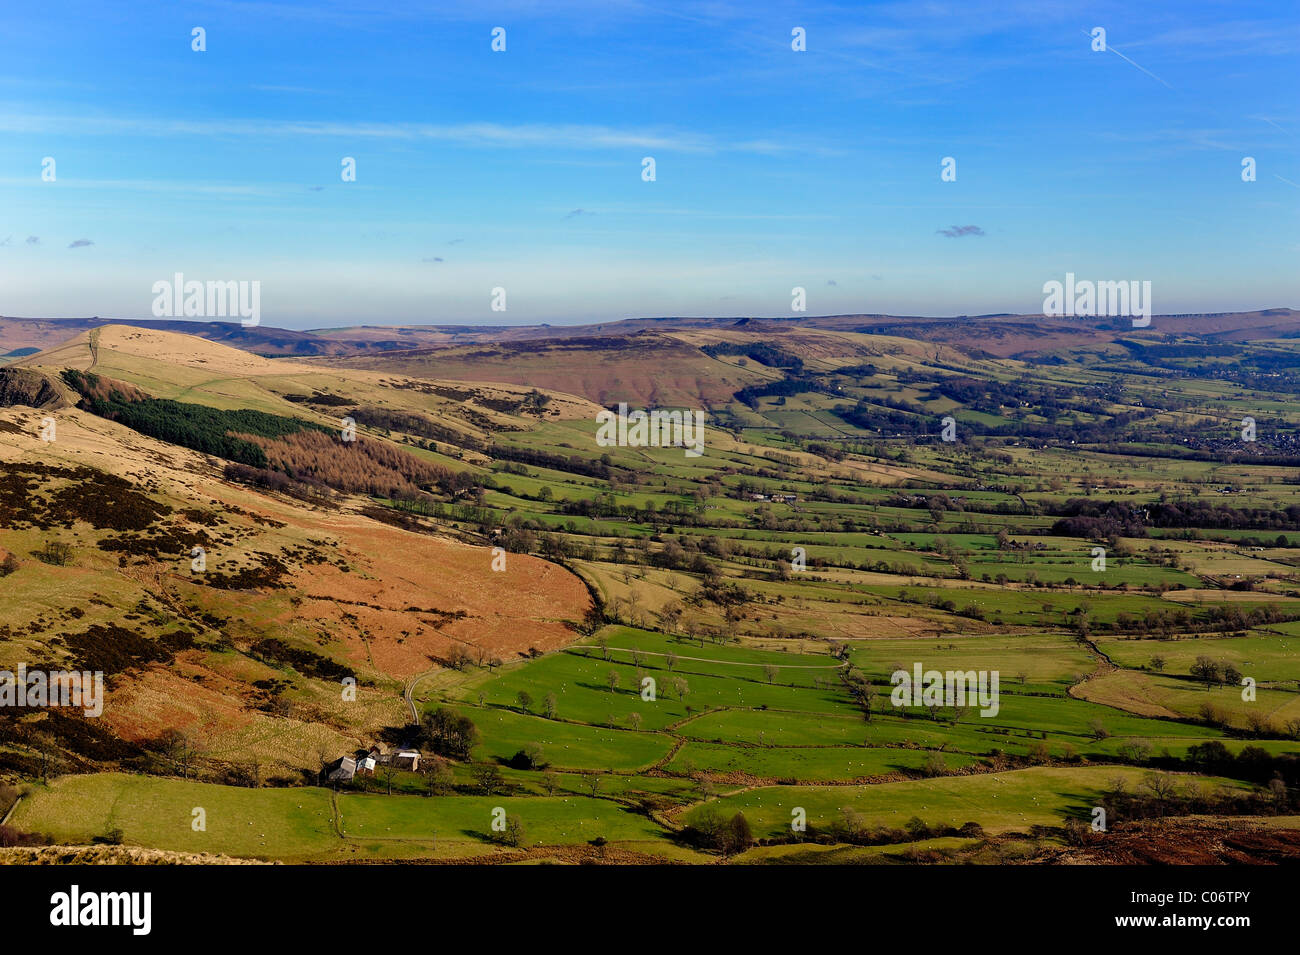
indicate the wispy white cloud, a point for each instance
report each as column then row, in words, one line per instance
column 477, row 135
column 177, row 187
column 619, row 209
column 271, row 88
column 1278, row 37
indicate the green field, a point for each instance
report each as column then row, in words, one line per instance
column 729, row 623
column 1006, row 801
column 303, row 824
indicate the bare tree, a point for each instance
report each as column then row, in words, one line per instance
column 438, row 775
column 55, row 552
column 178, row 748
column 488, row 777
column 1162, row 788
column 681, row 688
column 45, row 748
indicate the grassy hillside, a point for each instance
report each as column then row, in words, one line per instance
column 647, row 643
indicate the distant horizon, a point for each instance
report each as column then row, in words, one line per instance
column 792, row 319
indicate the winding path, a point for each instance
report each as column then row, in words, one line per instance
column 409, row 694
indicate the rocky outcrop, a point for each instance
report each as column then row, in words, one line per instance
column 26, row 386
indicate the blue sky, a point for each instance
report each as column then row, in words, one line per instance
column 522, row 169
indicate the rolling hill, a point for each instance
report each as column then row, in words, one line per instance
column 394, row 547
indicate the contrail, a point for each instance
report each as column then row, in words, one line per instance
column 1139, row 66
column 1276, row 126
column 1130, row 62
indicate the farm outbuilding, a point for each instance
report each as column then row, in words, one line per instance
column 406, row 759
column 341, row 770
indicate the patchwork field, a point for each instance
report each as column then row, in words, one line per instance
column 616, row 652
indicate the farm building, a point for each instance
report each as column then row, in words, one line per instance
column 405, row 759
column 360, row 763
column 341, row 770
